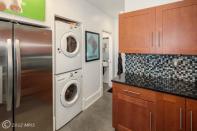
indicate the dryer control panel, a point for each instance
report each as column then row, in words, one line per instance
column 76, row 74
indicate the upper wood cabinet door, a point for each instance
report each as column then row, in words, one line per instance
column 176, row 26
column 173, row 113
column 191, row 115
column 137, row 31
column 135, row 114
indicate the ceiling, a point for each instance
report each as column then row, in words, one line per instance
column 110, row 7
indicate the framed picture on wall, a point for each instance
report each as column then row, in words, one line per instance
column 92, row 46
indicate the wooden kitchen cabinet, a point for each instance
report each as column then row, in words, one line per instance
column 166, row 29
column 176, row 28
column 172, row 116
column 137, row 109
column 131, row 112
column 191, row 115
column 135, row 114
column 137, row 30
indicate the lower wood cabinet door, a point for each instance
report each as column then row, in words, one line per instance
column 172, row 117
column 191, row 115
column 134, row 114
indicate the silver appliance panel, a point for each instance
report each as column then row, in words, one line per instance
column 1, row 85
column 33, row 77
column 6, row 72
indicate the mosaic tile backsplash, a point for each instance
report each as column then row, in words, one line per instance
column 165, row 66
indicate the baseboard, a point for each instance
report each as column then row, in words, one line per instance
column 87, row 102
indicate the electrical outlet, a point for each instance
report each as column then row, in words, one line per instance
column 175, row 62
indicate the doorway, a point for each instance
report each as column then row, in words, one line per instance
column 107, row 58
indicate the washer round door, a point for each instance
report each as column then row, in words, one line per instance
column 69, row 44
column 70, row 93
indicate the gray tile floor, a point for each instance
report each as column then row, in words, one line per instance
column 97, row 117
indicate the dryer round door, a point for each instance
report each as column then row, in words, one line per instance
column 70, row 93
column 70, row 45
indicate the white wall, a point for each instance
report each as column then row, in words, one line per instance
column 131, row 5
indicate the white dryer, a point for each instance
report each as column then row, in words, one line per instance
column 68, row 97
column 68, row 47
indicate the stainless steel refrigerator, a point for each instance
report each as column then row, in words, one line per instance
column 25, row 77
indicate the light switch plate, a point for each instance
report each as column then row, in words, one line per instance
column 1, row 85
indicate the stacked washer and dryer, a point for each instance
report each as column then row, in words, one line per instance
column 68, row 71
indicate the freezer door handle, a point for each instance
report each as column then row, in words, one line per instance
column 18, row 72
column 9, row 90
column 1, row 85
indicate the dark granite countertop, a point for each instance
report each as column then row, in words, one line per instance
column 174, row 87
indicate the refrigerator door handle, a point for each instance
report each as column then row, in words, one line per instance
column 1, row 85
column 9, row 95
column 18, row 72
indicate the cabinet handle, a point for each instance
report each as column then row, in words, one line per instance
column 191, row 117
column 150, row 121
column 181, row 117
column 131, row 92
column 152, row 39
column 159, row 38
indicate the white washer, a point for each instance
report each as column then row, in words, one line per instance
column 68, row 97
column 68, row 47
